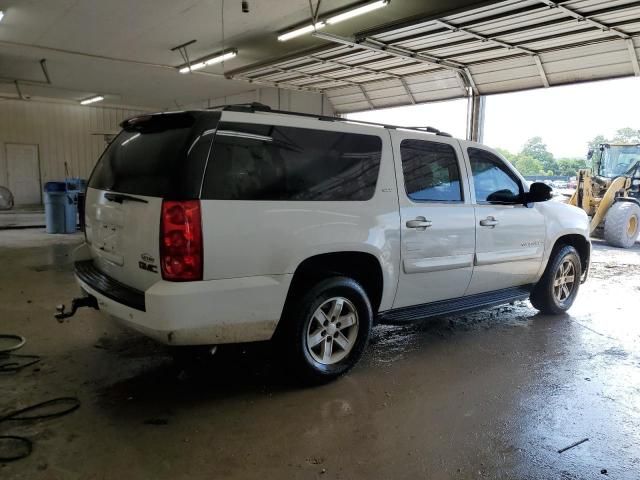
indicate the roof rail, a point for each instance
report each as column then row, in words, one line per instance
column 260, row 107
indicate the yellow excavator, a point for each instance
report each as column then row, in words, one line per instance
column 610, row 193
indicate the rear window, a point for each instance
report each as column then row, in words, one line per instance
column 158, row 155
column 267, row 162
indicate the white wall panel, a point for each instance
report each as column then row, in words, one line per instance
column 278, row 98
column 63, row 133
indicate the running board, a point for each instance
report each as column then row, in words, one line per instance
column 456, row 305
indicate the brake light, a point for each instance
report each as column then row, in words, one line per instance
column 181, row 241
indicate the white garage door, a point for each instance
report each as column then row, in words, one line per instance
column 23, row 173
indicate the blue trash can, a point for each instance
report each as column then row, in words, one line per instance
column 54, row 206
column 70, row 212
column 60, row 208
column 76, row 187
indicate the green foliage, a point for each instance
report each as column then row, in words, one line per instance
column 570, row 166
column 528, row 165
column 626, row 135
column 535, row 159
column 597, row 140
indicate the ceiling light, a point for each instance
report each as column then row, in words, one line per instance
column 87, row 101
column 357, row 11
column 206, row 61
column 1, row 15
column 300, row 31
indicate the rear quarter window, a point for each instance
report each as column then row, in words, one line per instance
column 267, row 162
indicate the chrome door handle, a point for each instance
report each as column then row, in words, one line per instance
column 489, row 222
column 420, row 223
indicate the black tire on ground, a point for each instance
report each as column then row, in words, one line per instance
column 299, row 322
column 622, row 224
column 545, row 295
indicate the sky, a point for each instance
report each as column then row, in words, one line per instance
column 565, row 117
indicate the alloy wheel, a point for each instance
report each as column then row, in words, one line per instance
column 332, row 331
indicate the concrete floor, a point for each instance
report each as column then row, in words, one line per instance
column 493, row 394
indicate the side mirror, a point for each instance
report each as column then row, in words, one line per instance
column 538, row 192
column 590, row 154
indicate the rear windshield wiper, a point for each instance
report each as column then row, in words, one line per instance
column 121, row 197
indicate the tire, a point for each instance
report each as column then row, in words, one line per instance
column 300, row 326
column 622, row 224
column 550, row 298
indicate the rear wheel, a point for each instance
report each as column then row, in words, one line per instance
column 622, row 224
column 325, row 332
column 557, row 289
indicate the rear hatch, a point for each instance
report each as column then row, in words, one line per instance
column 154, row 158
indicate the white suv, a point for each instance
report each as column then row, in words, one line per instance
column 246, row 224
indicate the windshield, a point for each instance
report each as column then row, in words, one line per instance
column 616, row 160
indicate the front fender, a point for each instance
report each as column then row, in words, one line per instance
column 561, row 219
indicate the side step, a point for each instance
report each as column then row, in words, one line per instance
column 456, row 305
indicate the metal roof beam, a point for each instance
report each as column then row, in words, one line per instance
column 381, row 47
column 348, row 66
column 408, row 90
column 520, row 29
column 312, row 76
column 495, row 41
column 634, row 56
column 366, row 96
column 485, row 38
column 353, row 67
column 543, row 74
column 268, row 83
column 588, row 18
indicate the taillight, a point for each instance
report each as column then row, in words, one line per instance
column 181, row 240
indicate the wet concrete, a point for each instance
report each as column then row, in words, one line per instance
column 493, row 394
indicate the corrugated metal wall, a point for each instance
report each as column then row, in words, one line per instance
column 63, row 133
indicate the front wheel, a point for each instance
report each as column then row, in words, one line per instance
column 622, row 224
column 557, row 289
column 325, row 332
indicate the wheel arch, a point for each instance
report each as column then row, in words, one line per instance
column 577, row 241
column 363, row 267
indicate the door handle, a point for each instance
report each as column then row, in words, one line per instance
column 420, row 223
column 489, row 222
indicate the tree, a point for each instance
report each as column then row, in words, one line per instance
column 570, row 166
column 528, row 165
column 535, row 148
column 507, row 154
column 627, row 135
column 597, row 140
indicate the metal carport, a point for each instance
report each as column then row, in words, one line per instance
column 496, row 48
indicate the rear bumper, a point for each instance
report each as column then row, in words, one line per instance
column 193, row 313
column 87, row 273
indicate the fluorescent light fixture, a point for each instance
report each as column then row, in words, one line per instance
column 206, row 61
column 333, row 20
column 300, row 31
column 87, row 101
column 1, row 15
column 357, row 11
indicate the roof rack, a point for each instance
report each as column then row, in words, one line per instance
column 260, row 107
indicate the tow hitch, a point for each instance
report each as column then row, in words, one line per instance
column 76, row 303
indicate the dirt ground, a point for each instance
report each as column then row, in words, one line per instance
column 493, row 394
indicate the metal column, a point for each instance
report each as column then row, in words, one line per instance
column 475, row 118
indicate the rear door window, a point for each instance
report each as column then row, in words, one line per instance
column 158, row 155
column 431, row 171
column 268, row 162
